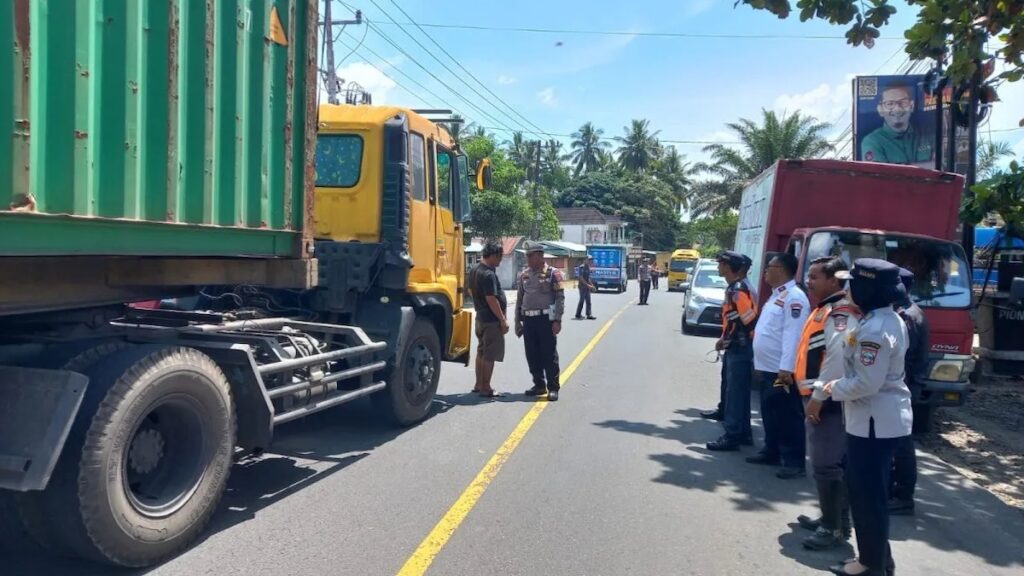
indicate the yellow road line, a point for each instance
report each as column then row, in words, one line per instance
column 424, row 556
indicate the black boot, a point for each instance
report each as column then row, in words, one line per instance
column 828, row 535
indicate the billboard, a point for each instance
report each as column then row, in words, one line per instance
column 893, row 121
column 606, row 257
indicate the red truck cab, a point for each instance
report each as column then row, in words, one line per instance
column 904, row 214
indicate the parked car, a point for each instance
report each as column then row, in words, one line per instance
column 702, row 305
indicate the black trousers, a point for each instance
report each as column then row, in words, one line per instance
column 654, row 281
column 868, row 466
column 782, row 413
column 739, row 370
column 541, row 352
column 904, row 470
column 645, row 290
column 584, row 298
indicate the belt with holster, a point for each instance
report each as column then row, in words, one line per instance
column 534, row 313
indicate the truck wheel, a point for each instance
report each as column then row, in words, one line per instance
column 413, row 381
column 30, row 511
column 923, row 418
column 147, row 459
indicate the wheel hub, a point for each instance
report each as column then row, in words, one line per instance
column 146, row 451
column 422, row 365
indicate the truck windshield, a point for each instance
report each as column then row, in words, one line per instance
column 339, row 158
column 941, row 276
column 681, row 265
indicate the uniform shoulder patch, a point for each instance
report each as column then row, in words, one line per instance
column 795, row 309
column 869, row 352
column 839, row 322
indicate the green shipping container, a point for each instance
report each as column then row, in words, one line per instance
column 157, row 127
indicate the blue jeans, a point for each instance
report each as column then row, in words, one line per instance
column 739, row 373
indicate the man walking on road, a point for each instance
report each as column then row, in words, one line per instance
column 739, row 314
column 821, row 357
column 585, row 286
column 776, row 340
column 904, row 471
column 491, row 322
column 539, row 307
column 643, row 273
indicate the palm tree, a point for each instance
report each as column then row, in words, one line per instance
column 553, row 156
column 456, row 128
column 673, row 169
column 731, row 169
column 989, row 155
column 638, row 147
column 587, row 146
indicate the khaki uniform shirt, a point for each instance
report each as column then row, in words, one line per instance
column 541, row 291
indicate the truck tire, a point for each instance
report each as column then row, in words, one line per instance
column 124, row 494
column 923, row 418
column 413, row 380
column 33, row 517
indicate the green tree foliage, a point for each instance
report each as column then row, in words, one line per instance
column 588, row 149
column 761, row 145
column 961, row 32
column 638, row 146
column 711, row 234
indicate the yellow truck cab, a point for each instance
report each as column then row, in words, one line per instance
column 391, row 200
column 679, row 267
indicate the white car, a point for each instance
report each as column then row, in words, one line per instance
column 702, row 305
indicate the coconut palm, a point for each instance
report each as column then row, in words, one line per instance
column 761, row 145
column 587, row 146
column 989, row 155
column 517, row 149
column 673, row 169
column 638, row 147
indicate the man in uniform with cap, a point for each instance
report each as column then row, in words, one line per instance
column 585, row 285
column 876, row 410
column 539, row 309
column 739, row 314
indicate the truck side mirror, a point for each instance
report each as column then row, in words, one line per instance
column 1017, row 292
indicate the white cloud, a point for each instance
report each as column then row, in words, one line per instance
column 547, row 96
column 698, row 7
column 507, row 80
column 827, row 102
column 371, row 79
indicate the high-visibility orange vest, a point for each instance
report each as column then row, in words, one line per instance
column 739, row 311
column 811, row 352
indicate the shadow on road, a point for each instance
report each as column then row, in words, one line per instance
column 304, row 453
column 946, row 502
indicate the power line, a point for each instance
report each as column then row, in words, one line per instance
column 693, row 35
column 403, row 73
column 390, row 41
column 463, row 68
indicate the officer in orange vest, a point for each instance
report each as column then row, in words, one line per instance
column 820, row 357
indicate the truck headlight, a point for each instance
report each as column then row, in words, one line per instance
column 947, row 370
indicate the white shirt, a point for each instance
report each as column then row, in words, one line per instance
column 778, row 330
column 873, row 389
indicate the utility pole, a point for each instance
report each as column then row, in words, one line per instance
column 330, row 73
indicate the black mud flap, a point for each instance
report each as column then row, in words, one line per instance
column 37, row 408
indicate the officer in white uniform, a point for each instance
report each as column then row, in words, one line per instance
column 776, row 342
column 876, row 406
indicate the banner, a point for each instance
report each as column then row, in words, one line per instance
column 892, row 121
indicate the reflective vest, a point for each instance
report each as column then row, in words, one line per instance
column 739, row 312
column 814, row 340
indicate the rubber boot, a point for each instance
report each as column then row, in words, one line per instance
column 828, row 535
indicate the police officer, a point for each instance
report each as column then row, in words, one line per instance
column 585, row 285
column 876, row 409
column 904, row 472
column 820, row 357
column 539, row 309
column 739, row 314
column 775, row 346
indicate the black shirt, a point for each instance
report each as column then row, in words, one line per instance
column 918, row 347
column 484, row 282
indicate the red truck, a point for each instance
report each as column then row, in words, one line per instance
column 904, row 214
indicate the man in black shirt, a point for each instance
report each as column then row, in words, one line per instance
column 491, row 323
column 585, row 285
column 904, row 470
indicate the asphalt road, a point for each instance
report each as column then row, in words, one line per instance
column 611, row 480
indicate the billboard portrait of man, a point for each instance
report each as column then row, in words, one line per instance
column 891, row 127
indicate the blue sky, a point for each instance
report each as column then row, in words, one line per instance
column 689, row 88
